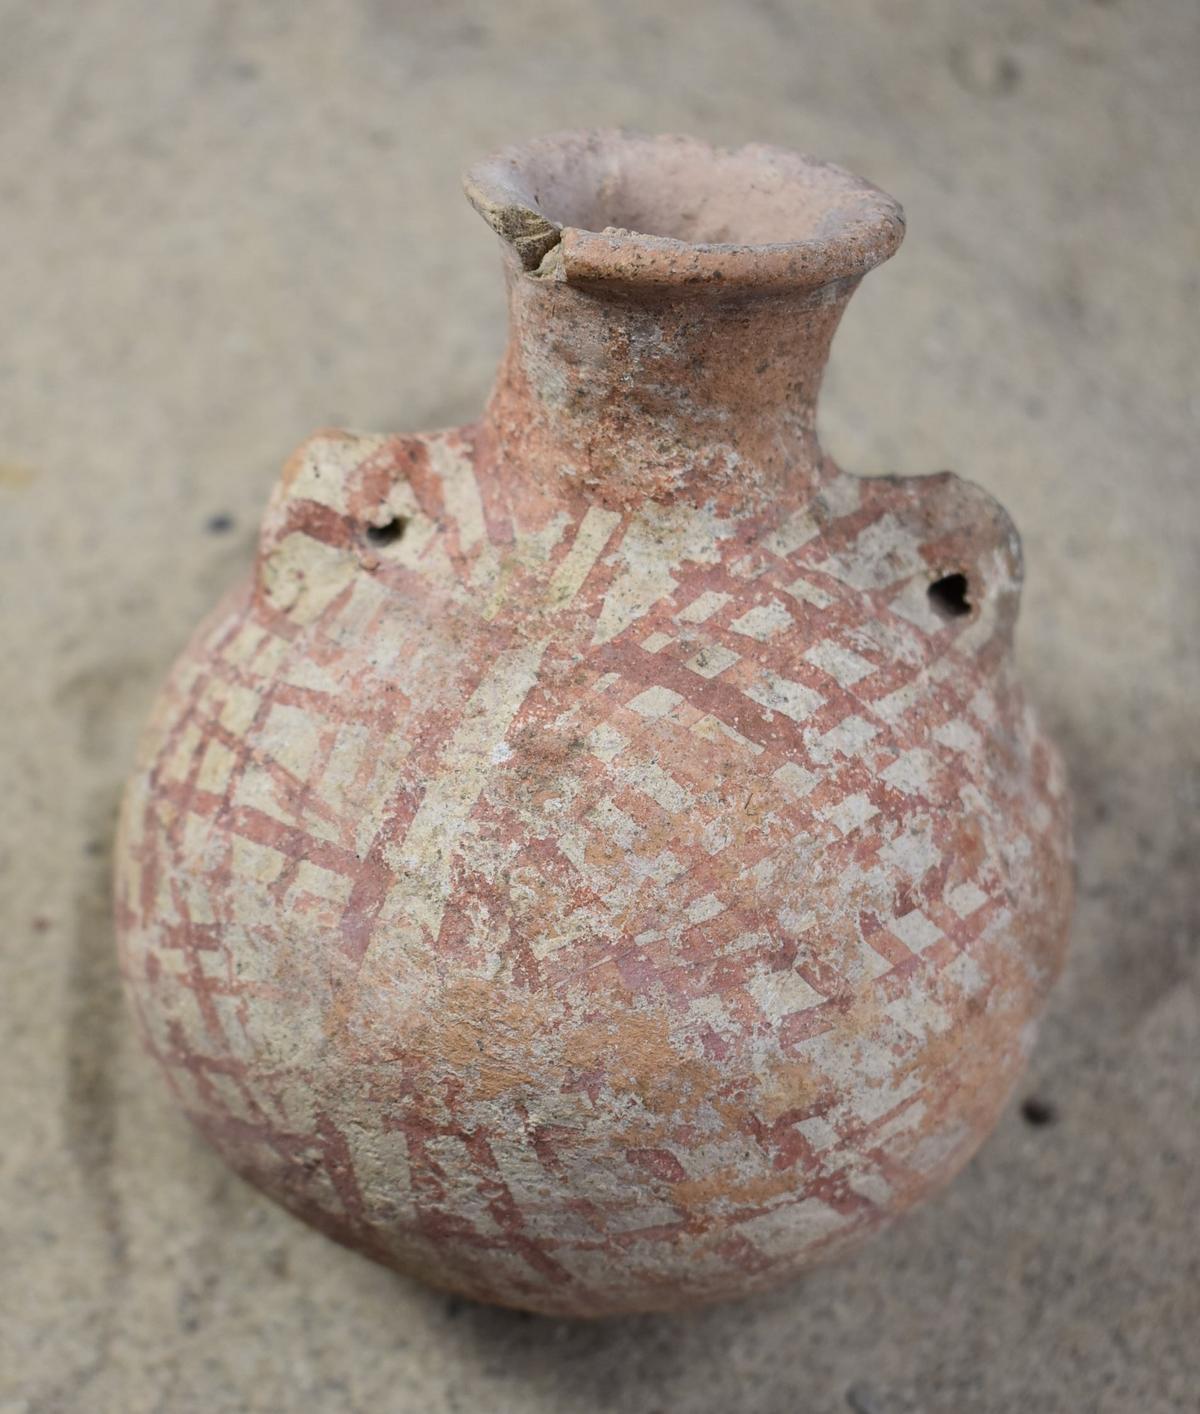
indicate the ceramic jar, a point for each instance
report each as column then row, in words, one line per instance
column 601, row 859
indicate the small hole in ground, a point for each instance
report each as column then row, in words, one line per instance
column 1038, row 1112
column 949, row 596
column 388, row 533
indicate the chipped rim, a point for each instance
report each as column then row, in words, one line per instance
column 524, row 192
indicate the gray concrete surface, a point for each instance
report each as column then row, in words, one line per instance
column 225, row 225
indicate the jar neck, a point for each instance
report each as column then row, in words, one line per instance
column 626, row 395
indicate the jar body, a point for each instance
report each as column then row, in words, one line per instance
column 597, row 907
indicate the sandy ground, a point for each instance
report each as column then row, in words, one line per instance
column 225, row 225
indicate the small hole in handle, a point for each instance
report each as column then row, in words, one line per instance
column 388, row 533
column 950, row 596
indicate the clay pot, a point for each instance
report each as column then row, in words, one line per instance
column 601, row 859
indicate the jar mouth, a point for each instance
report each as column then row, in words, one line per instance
column 618, row 207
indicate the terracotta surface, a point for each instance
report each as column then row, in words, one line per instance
column 601, row 860
column 226, row 226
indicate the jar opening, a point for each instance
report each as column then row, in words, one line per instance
column 634, row 208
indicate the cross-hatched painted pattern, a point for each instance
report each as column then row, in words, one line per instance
column 561, row 905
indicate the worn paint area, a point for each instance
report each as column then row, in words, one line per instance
column 602, row 859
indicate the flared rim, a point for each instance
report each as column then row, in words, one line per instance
column 627, row 208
